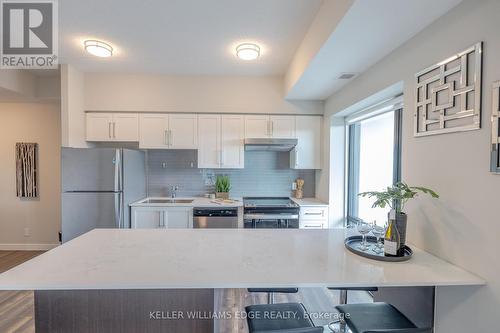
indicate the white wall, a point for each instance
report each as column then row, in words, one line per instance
column 18, row 85
column 72, row 108
column 82, row 92
column 328, row 17
column 40, row 123
column 463, row 225
column 162, row 93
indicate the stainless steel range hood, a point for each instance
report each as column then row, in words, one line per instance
column 270, row 144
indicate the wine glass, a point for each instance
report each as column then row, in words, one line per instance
column 364, row 229
column 378, row 231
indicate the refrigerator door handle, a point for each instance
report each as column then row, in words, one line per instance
column 118, row 210
column 118, row 171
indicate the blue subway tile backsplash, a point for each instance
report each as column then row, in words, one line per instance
column 266, row 173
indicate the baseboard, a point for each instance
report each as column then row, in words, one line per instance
column 27, row 247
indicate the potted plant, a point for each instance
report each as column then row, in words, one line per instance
column 396, row 197
column 222, row 187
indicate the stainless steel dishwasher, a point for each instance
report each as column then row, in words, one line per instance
column 215, row 217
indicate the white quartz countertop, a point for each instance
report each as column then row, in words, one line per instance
column 197, row 202
column 221, row 258
column 309, row 202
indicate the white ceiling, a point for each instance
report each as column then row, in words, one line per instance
column 184, row 37
column 369, row 31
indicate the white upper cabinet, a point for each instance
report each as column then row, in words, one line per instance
column 112, row 126
column 232, row 142
column 282, row 127
column 221, row 141
column 265, row 126
column 153, row 131
column 168, row 131
column 209, row 132
column 183, row 131
column 99, row 127
column 307, row 153
column 257, row 126
column 125, row 127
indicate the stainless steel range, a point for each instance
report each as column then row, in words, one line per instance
column 270, row 212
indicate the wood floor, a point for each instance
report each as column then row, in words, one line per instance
column 17, row 307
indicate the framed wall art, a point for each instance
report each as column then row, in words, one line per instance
column 26, row 170
column 495, row 128
column 448, row 94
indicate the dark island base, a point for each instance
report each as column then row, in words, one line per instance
column 175, row 310
column 133, row 311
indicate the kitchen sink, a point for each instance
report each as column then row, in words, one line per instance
column 167, row 201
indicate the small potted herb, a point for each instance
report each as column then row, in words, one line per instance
column 222, row 187
column 396, row 197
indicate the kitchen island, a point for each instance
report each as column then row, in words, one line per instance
column 111, row 275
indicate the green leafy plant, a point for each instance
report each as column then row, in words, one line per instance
column 222, row 184
column 397, row 196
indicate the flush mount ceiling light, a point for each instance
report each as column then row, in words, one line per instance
column 248, row 51
column 98, row 48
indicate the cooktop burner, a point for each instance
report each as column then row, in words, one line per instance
column 275, row 202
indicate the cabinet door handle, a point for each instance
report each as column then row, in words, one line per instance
column 272, row 128
column 114, row 130
column 109, row 130
column 166, row 138
column 315, row 214
column 170, row 138
column 296, row 158
column 313, row 226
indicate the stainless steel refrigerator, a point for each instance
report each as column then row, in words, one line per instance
column 98, row 184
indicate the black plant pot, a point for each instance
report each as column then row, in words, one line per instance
column 401, row 223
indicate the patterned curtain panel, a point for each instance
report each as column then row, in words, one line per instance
column 26, row 170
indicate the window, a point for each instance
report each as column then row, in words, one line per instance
column 374, row 144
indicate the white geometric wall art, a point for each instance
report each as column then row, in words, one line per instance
column 448, row 94
column 495, row 129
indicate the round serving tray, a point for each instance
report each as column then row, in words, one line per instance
column 352, row 243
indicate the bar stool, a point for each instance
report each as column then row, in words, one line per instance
column 280, row 318
column 343, row 300
column 271, row 291
column 377, row 318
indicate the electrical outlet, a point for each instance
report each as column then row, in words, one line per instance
column 26, row 232
column 294, row 186
column 164, row 165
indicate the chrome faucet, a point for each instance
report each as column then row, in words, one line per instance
column 173, row 190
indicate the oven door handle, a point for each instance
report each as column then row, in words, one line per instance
column 271, row 216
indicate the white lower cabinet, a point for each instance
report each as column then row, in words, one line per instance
column 312, row 224
column 161, row 217
column 313, row 217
